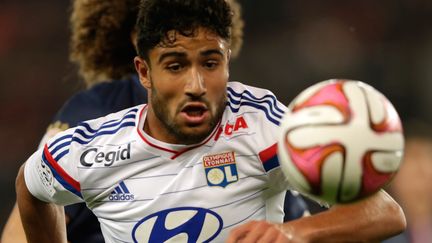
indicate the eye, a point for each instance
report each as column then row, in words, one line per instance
column 211, row 64
column 174, row 67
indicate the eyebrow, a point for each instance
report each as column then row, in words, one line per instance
column 182, row 54
column 212, row 51
column 171, row 54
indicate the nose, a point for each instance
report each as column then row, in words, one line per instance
column 195, row 85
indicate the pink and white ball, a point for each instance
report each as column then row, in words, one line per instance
column 342, row 140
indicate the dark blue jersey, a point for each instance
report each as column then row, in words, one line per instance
column 100, row 100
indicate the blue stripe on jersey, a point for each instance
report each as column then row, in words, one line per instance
column 66, row 140
column 273, row 103
column 111, row 123
column 82, row 132
column 125, row 124
column 269, row 157
column 60, row 146
column 84, row 128
column 60, row 155
column 255, row 105
column 68, row 136
column 238, row 102
column 272, row 112
column 60, row 179
column 271, row 163
column 108, row 123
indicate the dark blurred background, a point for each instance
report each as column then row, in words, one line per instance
column 289, row 45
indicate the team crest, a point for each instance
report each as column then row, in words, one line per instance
column 220, row 169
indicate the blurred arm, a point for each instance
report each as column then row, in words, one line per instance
column 370, row 220
column 42, row 222
column 411, row 188
column 13, row 230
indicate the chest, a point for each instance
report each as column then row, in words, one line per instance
column 145, row 193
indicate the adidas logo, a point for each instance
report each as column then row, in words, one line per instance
column 121, row 193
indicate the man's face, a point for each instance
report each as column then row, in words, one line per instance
column 187, row 87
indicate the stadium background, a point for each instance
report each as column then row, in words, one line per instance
column 289, row 45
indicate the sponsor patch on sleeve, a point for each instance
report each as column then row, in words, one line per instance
column 46, row 177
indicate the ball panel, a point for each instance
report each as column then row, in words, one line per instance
column 329, row 95
column 331, row 176
column 377, row 109
column 383, row 115
column 306, row 94
column 372, row 179
column 386, row 161
column 321, row 135
column 310, row 162
column 317, row 115
column 357, row 103
column 352, row 173
column 294, row 177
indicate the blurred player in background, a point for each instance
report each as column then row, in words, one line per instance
column 104, row 54
column 411, row 186
column 184, row 67
column 102, row 47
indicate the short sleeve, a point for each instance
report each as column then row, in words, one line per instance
column 51, row 175
column 271, row 164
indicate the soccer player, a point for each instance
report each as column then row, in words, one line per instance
column 198, row 163
column 104, row 54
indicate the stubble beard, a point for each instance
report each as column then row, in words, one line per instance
column 162, row 113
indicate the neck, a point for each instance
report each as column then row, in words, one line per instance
column 154, row 128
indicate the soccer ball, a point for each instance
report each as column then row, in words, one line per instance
column 340, row 141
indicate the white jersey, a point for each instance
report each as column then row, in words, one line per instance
column 144, row 190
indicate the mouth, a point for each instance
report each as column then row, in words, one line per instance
column 194, row 113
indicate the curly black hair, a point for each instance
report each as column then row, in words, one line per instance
column 101, row 38
column 157, row 17
column 101, row 45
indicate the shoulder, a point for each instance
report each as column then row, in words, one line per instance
column 241, row 87
column 109, row 125
column 245, row 98
column 241, row 92
column 107, row 128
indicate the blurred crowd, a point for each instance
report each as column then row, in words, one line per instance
column 288, row 45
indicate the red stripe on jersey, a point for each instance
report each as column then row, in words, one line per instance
column 156, row 146
column 189, row 148
column 141, row 130
column 75, row 184
column 268, row 153
column 176, row 153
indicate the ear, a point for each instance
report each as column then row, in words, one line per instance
column 143, row 70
